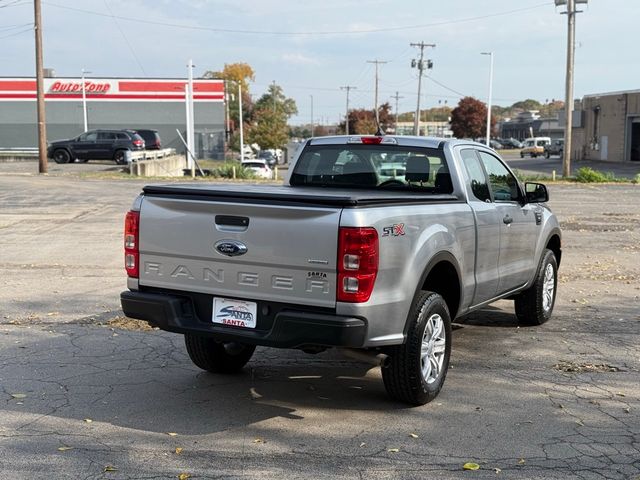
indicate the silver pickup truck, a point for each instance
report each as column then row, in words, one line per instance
column 374, row 244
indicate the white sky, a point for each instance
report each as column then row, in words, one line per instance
column 529, row 46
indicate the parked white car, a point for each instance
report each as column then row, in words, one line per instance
column 259, row 167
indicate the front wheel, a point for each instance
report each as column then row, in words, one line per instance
column 535, row 305
column 61, row 156
column 215, row 356
column 417, row 369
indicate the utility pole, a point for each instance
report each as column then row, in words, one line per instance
column 376, row 62
column 490, row 94
column 191, row 123
column 311, row 115
column 42, row 127
column 240, row 120
column 347, row 88
column 421, row 66
column 568, row 103
column 273, row 94
column 397, row 97
column 84, row 101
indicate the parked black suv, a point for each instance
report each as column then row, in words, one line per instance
column 151, row 139
column 96, row 145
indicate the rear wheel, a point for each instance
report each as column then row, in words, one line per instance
column 215, row 356
column 61, row 156
column 521, row 155
column 418, row 368
column 535, row 305
column 547, row 154
column 119, row 157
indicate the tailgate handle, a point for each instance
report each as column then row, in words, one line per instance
column 231, row 223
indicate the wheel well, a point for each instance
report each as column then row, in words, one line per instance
column 443, row 279
column 555, row 246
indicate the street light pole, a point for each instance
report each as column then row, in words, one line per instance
column 490, row 93
column 311, row 115
column 84, row 101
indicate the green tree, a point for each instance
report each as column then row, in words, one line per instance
column 528, row 104
column 271, row 113
column 469, row 118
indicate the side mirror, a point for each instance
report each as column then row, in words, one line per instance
column 536, row 192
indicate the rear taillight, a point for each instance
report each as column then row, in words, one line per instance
column 357, row 263
column 138, row 143
column 131, row 247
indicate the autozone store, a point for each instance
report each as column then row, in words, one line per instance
column 113, row 103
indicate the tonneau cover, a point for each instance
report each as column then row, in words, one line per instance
column 311, row 196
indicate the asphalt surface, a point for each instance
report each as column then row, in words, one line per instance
column 82, row 397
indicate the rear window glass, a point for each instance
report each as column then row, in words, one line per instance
column 253, row 165
column 373, row 166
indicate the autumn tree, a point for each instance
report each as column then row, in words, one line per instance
column 235, row 74
column 469, row 118
column 363, row 121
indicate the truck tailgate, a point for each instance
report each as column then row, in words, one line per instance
column 290, row 250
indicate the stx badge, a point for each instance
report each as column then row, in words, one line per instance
column 394, row 230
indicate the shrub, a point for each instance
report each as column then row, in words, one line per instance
column 589, row 175
column 226, row 171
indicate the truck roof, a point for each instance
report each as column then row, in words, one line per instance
column 401, row 140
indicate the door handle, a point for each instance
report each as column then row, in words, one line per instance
column 507, row 220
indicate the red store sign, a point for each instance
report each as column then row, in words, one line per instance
column 76, row 87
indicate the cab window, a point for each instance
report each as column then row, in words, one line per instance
column 504, row 185
column 478, row 180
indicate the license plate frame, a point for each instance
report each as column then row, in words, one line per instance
column 235, row 313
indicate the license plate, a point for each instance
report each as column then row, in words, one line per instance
column 237, row 313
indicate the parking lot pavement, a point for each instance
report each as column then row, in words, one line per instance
column 84, row 398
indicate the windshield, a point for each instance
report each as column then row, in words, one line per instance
column 373, row 166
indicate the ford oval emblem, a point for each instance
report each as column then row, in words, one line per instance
column 230, row 248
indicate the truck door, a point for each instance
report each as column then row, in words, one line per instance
column 487, row 228
column 517, row 222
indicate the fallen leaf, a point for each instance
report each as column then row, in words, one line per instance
column 88, row 420
column 393, row 450
column 522, row 461
column 620, row 394
column 19, row 395
column 184, row 476
column 64, row 449
column 255, row 395
column 497, row 470
column 627, row 410
column 471, row 466
column 258, row 440
column 178, row 450
column 362, row 444
column 413, row 435
column 110, row 468
column 172, row 434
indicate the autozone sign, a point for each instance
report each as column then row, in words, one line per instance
column 76, row 87
column 111, row 89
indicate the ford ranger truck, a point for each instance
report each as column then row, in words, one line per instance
column 374, row 244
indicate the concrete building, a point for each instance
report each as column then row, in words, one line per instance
column 426, row 129
column 608, row 127
column 530, row 124
column 113, row 103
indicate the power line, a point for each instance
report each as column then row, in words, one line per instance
column 18, row 33
column 126, row 40
column 282, row 33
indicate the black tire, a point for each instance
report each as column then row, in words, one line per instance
column 217, row 357
column 61, row 156
column 547, row 155
column 404, row 378
column 120, row 157
column 521, row 155
column 534, row 306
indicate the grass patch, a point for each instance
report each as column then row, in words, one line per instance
column 589, row 175
column 528, row 177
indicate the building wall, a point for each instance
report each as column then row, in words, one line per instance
column 113, row 104
column 606, row 132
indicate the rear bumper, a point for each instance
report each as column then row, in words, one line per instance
column 288, row 328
